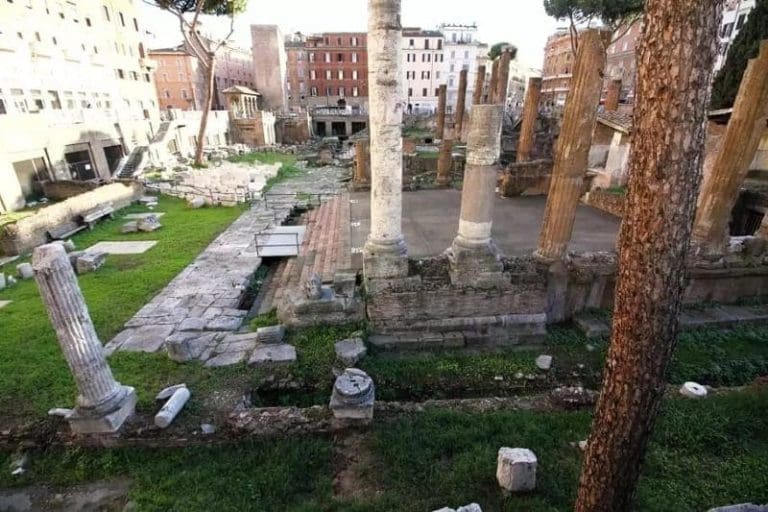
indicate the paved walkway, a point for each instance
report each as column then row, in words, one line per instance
column 202, row 303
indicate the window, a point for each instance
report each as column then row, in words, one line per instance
column 312, row 74
column 354, row 74
column 122, row 18
column 339, row 41
column 354, row 57
column 135, row 24
column 328, row 74
column 411, row 43
column 341, row 74
column 441, row 57
column 437, row 75
column 341, row 92
column 423, row 57
column 437, row 92
column 452, row 68
column 327, row 57
column 184, row 93
column 311, row 57
column 181, row 77
column 88, row 22
column 53, row 99
column 120, row 73
column 450, row 82
column 466, row 55
column 339, row 57
column 167, row 93
column 740, row 21
column 3, row 110
column 410, row 92
column 328, row 91
column 424, row 92
column 165, row 77
column 439, row 44
column 106, row 13
column 426, row 44
column 313, row 91
column 354, row 42
column 355, row 92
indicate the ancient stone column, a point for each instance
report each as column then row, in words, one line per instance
column 528, row 125
column 445, row 162
column 477, row 97
column 441, row 103
column 461, row 105
column 571, row 155
column 385, row 252
column 491, row 96
column 502, row 80
column 720, row 189
column 613, row 95
column 102, row 403
column 473, row 253
column 362, row 155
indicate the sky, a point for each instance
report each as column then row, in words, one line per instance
column 520, row 22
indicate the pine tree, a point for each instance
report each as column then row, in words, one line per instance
column 744, row 47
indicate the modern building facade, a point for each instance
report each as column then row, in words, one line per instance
column 557, row 70
column 461, row 51
column 77, row 92
column 337, row 69
column 735, row 14
column 621, row 60
column 423, row 63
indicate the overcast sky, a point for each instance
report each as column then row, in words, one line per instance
column 520, row 22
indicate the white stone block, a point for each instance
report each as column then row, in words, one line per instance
column 544, row 362
column 516, row 469
column 172, row 407
column 693, row 390
column 25, row 271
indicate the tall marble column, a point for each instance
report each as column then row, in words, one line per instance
column 572, row 153
column 720, row 189
column 461, row 105
column 102, row 403
column 528, row 125
column 385, row 254
column 473, row 254
column 441, row 105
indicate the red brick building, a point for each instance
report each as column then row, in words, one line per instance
column 324, row 69
column 621, row 57
column 558, row 68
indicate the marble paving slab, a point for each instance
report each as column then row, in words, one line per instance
column 132, row 247
column 4, row 303
column 137, row 216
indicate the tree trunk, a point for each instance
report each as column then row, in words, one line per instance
column 209, row 74
column 675, row 63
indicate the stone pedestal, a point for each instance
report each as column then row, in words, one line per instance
column 473, row 254
column 102, row 404
column 516, row 470
column 353, row 396
column 384, row 255
column 572, row 154
column 461, row 105
column 530, row 115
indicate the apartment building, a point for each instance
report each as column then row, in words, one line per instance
column 622, row 58
column 337, row 69
column 297, row 75
column 461, row 51
column 423, row 64
column 735, row 14
column 77, row 92
column 558, row 68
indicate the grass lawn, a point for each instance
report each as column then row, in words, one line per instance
column 288, row 170
column 33, row 373
column 703, row 454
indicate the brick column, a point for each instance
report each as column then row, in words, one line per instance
column 362, row 155
column 473, row 253
column 441, row 102
column 720, row 189
column 461, row 105
column 385, row 252
column 502, row 80
column 102, row 403
column 613, row 95
column 528, row 125
column 477, row 96
column 571, row 155
column 445, row 162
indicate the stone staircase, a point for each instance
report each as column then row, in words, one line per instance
column 133, row 164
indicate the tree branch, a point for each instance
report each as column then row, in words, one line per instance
column 628, row 23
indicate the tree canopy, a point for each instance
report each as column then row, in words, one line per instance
column 744, row 47
column 498, row 47
column 215, row 7
column 611, row 12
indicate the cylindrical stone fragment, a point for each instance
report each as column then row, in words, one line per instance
column 98, row 391
column 461, row 104
column 477, row 96
column 530, row 114
column 172, row 408
column 478, row 194
column 516, row 470
column 272, row 335
column 573, row 144
column 613, row 96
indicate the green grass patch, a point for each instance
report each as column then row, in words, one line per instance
column 428, row 155
column 265, row 320
column 288, row 170
column 619, row 191
column 33, row 373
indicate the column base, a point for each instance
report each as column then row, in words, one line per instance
column 83, row 421
column 385, row 260
column 479, row 266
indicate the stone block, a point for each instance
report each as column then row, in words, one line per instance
column 83, row 423
column 193, row 324
column 350, row 351
column 353, row 396
column 69, row 245
column 743, row 507
column 516, row 470
column 272, row 354
column 544, row 362
column 226, row 359
column 592, row 327
column 149, row 223
column 130, row 227
column 224, row 323
column 188, row 346
column 272, row 335
column 147, row 338
column 195, row 203
column 24, row 271
column 90, row 261
column 693, row 390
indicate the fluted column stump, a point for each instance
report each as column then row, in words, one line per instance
column 461, row 105
column 385, row 255
column 474, row 258
column 477, row 95
column 445, row 163
column 613, row 96
column 572, row 153
column 491, row 96
column 103, row 404
column 720, row 189
column 502, row 80
column 528, row 124
column 441, row 105
column 362, row 174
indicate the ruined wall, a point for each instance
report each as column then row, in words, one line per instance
column 526, row 178
column 64, row 189
column 29, row 232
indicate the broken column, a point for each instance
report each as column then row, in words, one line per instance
column 103, row 404
column 502, row 80
column 441, row 103
column 477, row 96
column 445, row 162
column 473, row 255
column 613, row 96
column 461, row 105
column 362, row 172
column 490, row 97
column 528, row 124
column 353, row 396
column 572, row 153
column 720, row 189
column 516, row 470
column 385, row 253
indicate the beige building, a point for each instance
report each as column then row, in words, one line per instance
column 423, row 65
column 77, row 92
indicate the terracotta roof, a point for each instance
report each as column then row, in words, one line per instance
column 621, row 121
